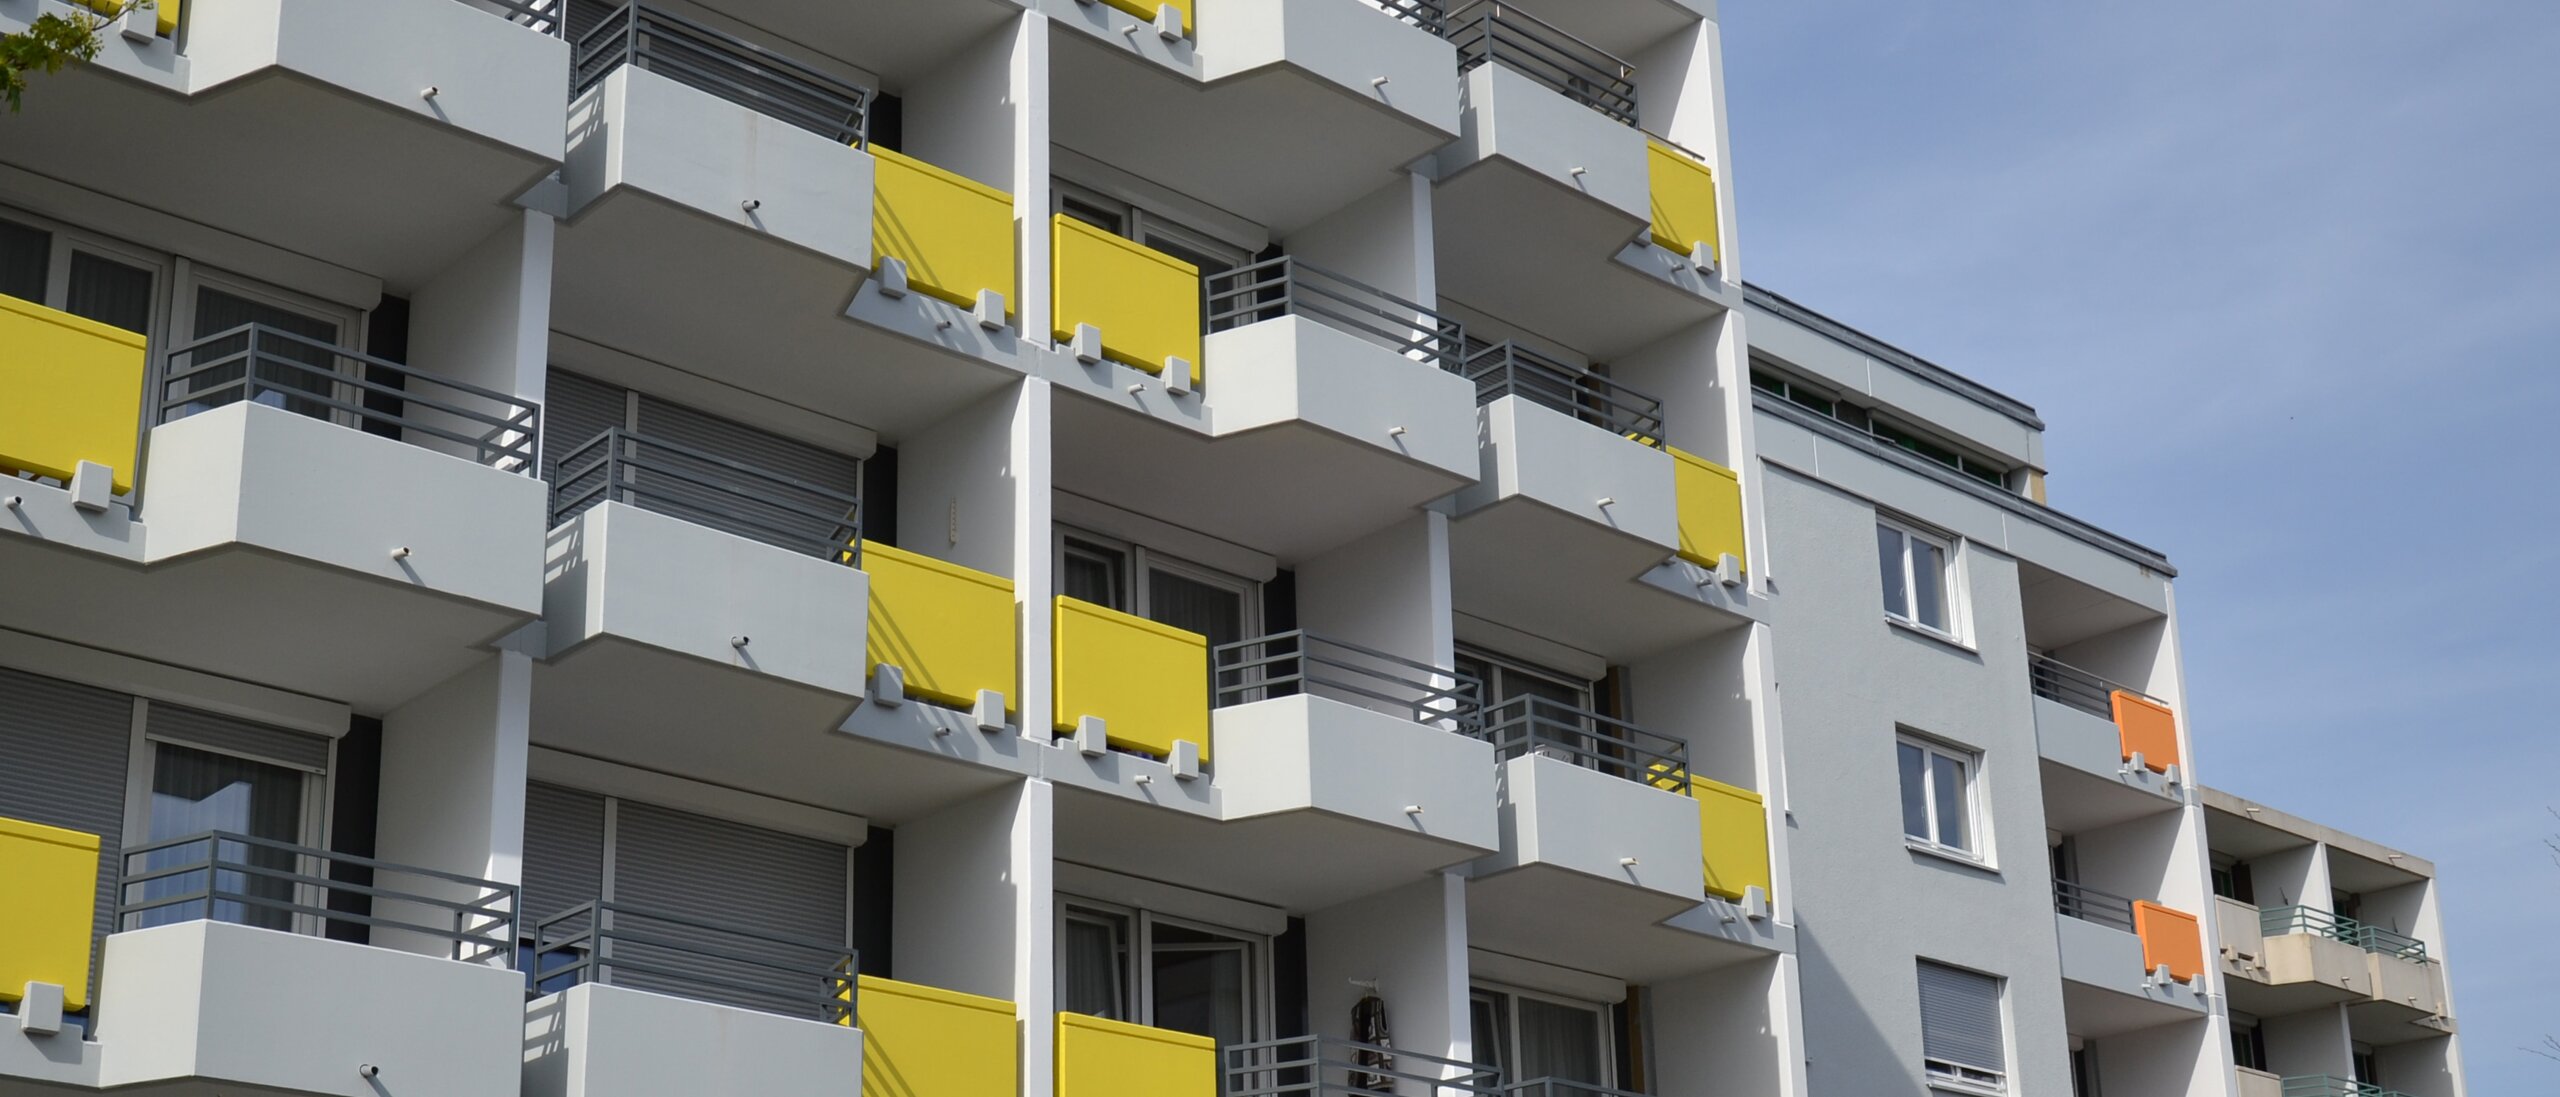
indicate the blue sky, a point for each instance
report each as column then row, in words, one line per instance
column 2283, row 278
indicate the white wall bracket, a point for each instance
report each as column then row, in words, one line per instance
column 40, row 1012
column 892, row 276
column 1755, row 903
column 1093, row 740
column 1087, row 343
column 1168, row 23
column 990, row 310
column 1177, row 375
column 1185, row 760
column 92, row 484
column 989, row 711
column 888, row 686
column 1729, row 570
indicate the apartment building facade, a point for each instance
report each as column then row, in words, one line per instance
column 956, row 548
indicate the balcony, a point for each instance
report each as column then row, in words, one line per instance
column 221, row 934
column 642, row 1001
column 1343, row 96
column 54, row 876
column 2113, row 952
column 2323, row 1085
column 1309, row 377
column 2089, row 752
column 692, row 149
column 1548, row 137
column 930, row 1042
column 2282, row 960
column 1100, row 1058
column 686, row 590
column 1324, row 1066
column 1322, row 745
column 300, row 122
column 2403, row 987
column 1130, row 683
column 1119, row 300
column 373, row 523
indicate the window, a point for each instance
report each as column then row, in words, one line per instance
column 1542, row 708
column 2084, row 1070
column 1149, row 969
column 81, row 276
column 1526, row 1037
column 1963, row 1048
column 2231, row 880
column 2248, row 1044
column 1917, row 570
column 1938, row 796
column 2368, row 1071
column 1154, row 229
column 1169, row 591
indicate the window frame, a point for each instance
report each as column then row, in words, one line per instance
column 1505, row 1059
column 1976, row 820
column 1951, row 599
column 1136, row 563
column 1137, row 975
column 1947, row 1076
column 313, row 815
column 191, row 282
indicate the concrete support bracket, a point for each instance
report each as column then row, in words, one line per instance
column 888, row 686
column 40, row 1012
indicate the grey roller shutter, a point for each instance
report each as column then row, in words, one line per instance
column 797, row 503
column 65, row 747
column 227, row 735
column 575, row 409
column 563, row 850
column 736, row 877
column 1960, row 1018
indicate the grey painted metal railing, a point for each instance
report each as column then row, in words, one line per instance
column 1536, row 725
column 1289, row 663
column 723, row 65
column 2326, row 1085
column 2055, row 680
column 1490, row 30
column 2089, row 904
column 1326, row 1066
column 226, row 877
column 271, row 366
column 1511, row 369
column 1558, row 1087
column 1430, row 15
column 547, row 16
column 616, row 944
column 2278, row 921
column 707, row 489
column 1288, row 286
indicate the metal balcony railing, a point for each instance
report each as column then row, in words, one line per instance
column 1288, row 286
column 1489, row 30
column 1510, row 369
column 2278, row 921
column 2055, row 680
column 302, row 375
column 1324, row 1066
column 547, row 16
column 1430, row 15
column 614, row 944
column 1535, row 725
column 723, row 65
column 225, row 877
column 2089, row 904
column 707, row 489
column 1558, row 1087
column 1289, row 663
column 2325, row 1085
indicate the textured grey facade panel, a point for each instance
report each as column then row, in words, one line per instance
column 229, row 735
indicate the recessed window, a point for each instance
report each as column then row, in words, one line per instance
column 1147, row 968
column 1963, row 1047
column 1938, row 796
column 1526, row 1037
column 1917, row 570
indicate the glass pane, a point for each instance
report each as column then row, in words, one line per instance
column 1487, row 1021
column 1889, row 568
column 1092, row 574
column 283, row 365
column 1106, row 219
column 1091, row 965
column 1186, row 603
column 1928, row 577
column 1915, row 793
column 1561, row 1042
column 194, row 791
column 1953, row 829
column 25, row 252
column 1201, row 984
column 109, row 292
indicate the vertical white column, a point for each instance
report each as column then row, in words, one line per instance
column 1035, row 928
column 453, row 777
column 1029, row 95
column 1033, row 584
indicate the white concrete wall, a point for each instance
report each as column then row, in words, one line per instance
column 2141, row 859
column 2291, row 877
column 1383, row 240
column 956, row 494
column 1412, row 942
column 603, row 1041
column 1680, row 370
column 1388, row 591
column 453, row 776
column 2422, row 1068
column 955, row 920
column 485, row 320
column 1700, row 693
column 2311, row 1042
column 961, row 118
column 2179, row 1060
column 1721, row 1032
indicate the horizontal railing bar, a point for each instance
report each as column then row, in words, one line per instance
column 265, row 872
column 288, row 847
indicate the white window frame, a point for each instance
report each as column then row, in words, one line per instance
column 1507, row 1058
column 1137, row 562
column 1943, row 1076
column 192, row 280
column 1137, row 978
column 142, row 760
column 1977, row 822
column 1950, row 580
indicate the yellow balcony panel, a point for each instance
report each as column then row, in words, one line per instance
column 1733, row 833
column 1684, row 200
column 1146, row 303
column 1709, row 496
column 1148, row 682
column 949, row 629
column 1099, row 1058
column 52, row 879
column 920, row 1041
column 75, row 393
column 1146, row 9
column 955, row 234
column 164, row 13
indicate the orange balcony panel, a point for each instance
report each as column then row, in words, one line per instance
column 2147, row 728
column 2171, row 938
